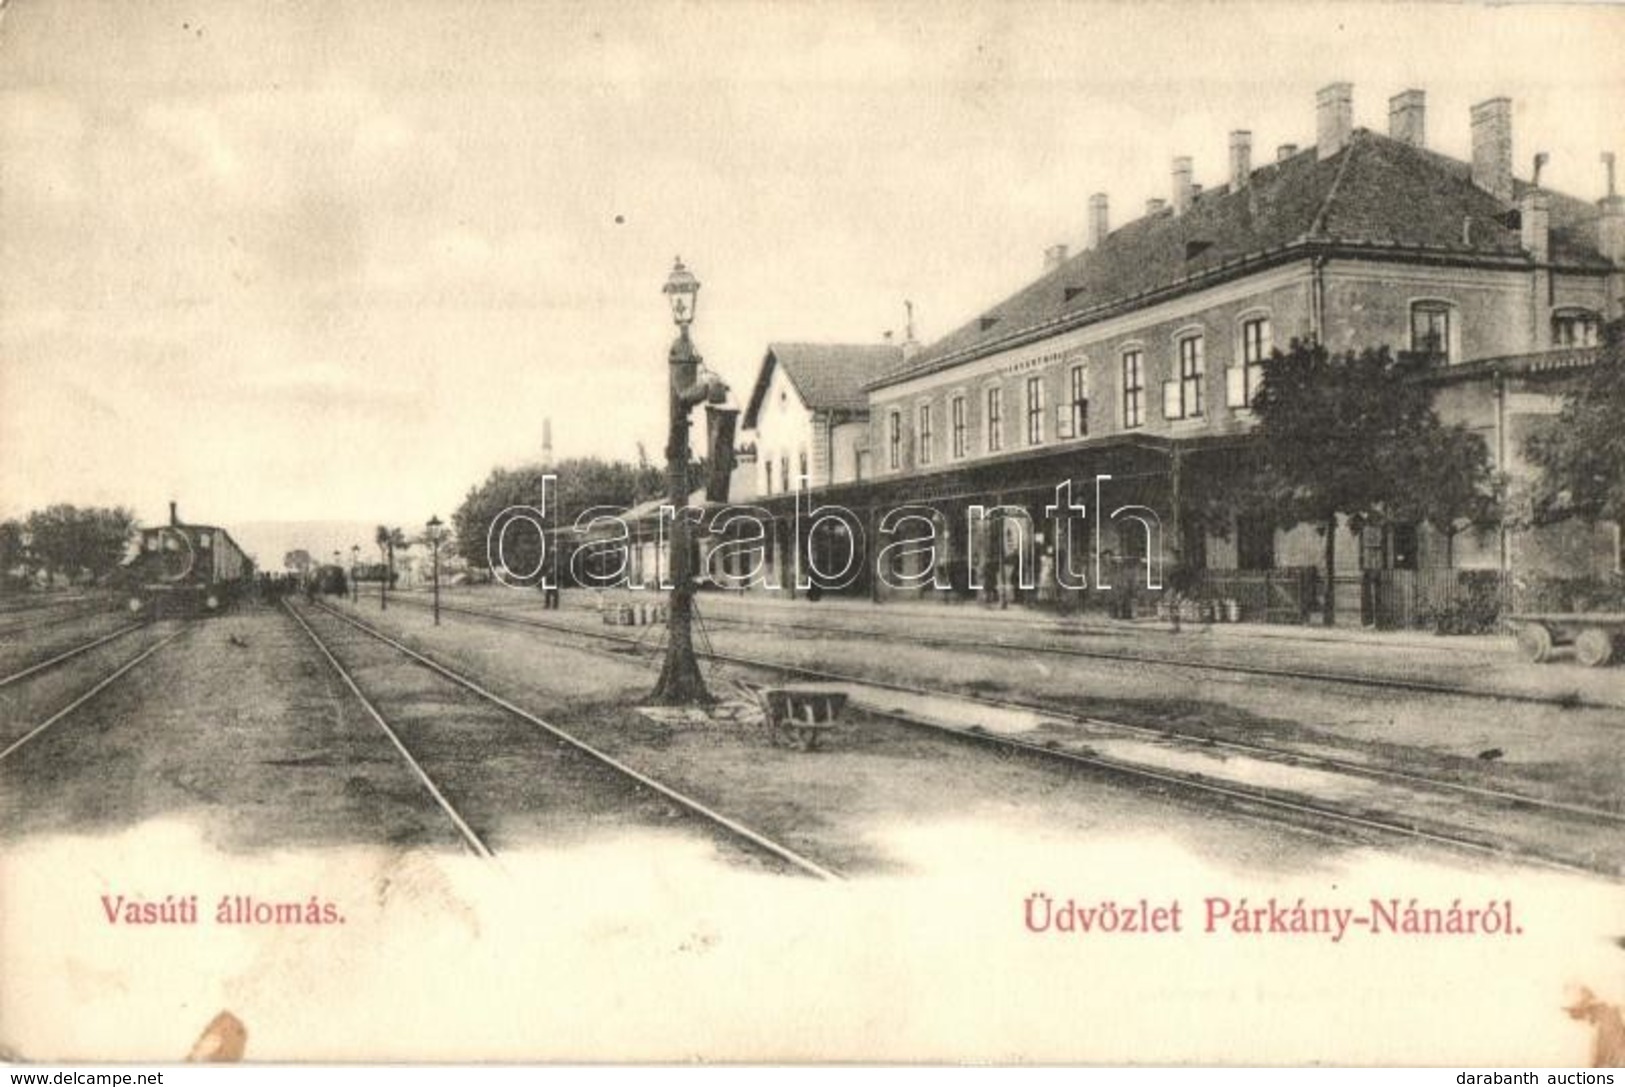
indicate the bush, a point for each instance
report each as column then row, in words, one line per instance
column 1474, row 606
column 1571, row 594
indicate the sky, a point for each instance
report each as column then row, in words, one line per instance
column 336, row 260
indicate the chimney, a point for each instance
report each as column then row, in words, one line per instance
column 910, row 345
column 1407, row 117
column 1285, row 151
column 1241, row 158
column 1492, row 147
column 547, row 442
column 1182, row 184
column 1154, row 205
column 1054, row 257
column 1099, row 224
column 1534, row 215
column 174, row 518
column 1334, row 118
column 1611, row 226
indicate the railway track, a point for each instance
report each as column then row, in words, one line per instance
column 106, row 680
column 46, row 617
column 732, row 829
column 67, row 655
column 26, row 605
column 1384, row 822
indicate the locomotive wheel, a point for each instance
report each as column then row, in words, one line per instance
column 1535, row 642
column 1594, row 647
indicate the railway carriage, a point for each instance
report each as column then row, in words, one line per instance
column 185, row 569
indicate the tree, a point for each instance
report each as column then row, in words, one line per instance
column 12, row 551
column 1581, row 457
column 579, row 484
column 297, row 561
column 73, row 542
column 1356, row 435
column 388, row 539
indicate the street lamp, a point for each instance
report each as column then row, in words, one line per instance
column 434, row 542
column 338, row 562
column 355, row 563
column 689, row 384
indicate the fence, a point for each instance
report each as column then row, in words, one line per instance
column 1447, row 601
column 1287, row 595
column 1443, row 600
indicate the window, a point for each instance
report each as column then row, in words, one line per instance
column 1182, row 397
column 801, row 480
column 1080, row 402
column 1430, row 329
column 925, row 433
column 769, row 466
column 958, row 424
column 1405, row 550
column 1244, row 378
column 1575, row 328
column 1133, row 390
column 894, row 440
column 995, row 419
column 1035, row 410
column 784, row 472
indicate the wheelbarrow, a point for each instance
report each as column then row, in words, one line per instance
column 799, row 716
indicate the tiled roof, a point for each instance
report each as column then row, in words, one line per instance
column 829, row 376
column 1375, row 193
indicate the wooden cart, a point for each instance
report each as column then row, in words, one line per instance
column 1596, row 638
column 798, row 716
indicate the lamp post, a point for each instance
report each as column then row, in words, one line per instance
column 434, row 543
column 355, row 563
column 689, row 384
column 338, row 563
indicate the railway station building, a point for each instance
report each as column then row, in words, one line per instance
column 1136, row 359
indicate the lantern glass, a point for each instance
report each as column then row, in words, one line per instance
column 682, row 291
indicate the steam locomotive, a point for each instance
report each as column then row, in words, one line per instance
column 185, row 569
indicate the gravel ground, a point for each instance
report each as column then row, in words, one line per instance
column 1568, row 754
column 236, row 726
column 514, row 784
column 1487, row 663
column 21, row 648
column 842, row 806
